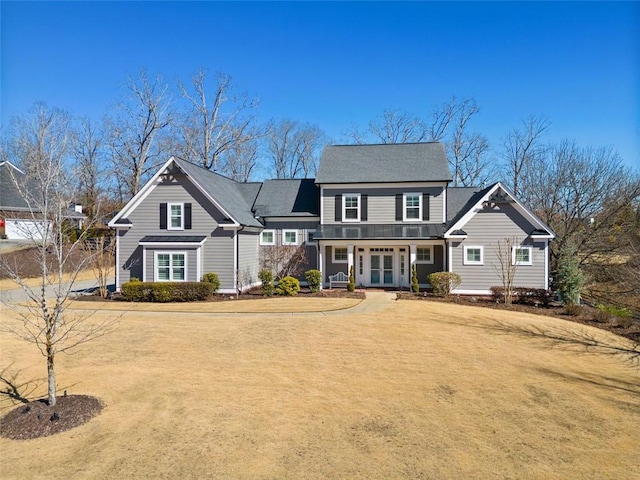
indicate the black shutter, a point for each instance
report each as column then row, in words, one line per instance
column 399, row 207
column 338, row 216
column 163, row 216
column 425, row 206
column 364, row 207
column 187, row 216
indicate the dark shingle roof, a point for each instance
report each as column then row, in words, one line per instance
column 461, row 199
column 10, row 198
column 405, row 162
column 236, row 198
column 288, row 198
column 173, row 238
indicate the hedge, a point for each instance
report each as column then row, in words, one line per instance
column 166, row 291
column 443, row 282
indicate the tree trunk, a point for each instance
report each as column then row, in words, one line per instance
column 51, row 377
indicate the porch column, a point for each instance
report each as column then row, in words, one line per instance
column 412, row 255
column 350, row 259
column 321, row 264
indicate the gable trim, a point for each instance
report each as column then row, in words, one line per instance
column 144, row 192
column 525, row 212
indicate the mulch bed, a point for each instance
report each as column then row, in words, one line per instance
column 629, row 328
column 37, row 419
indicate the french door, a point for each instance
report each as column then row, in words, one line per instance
column 381, row 269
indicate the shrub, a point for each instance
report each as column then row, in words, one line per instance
column 605, row 313
column 351, row 285
column 443, row 282
column 213, row 279
column 313, row 278
column 288, row 286
column 524, row 295
column 415, row 285
column 165, row 291
column 569, row 277
column 573, row 309
column 266, row 277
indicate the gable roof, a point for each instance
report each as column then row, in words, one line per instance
column 476, row 201
column 288, row 198
column 10, row 198
column 461, row 199
column 384, row 163
column 232, row 198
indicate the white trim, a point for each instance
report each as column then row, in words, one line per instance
column 444, row 205
column 479, row 205
column 472, row 247
column 144, row 264
column 284, row 236
column 404, row 207
column 170, row 253
column 333, row 254
column 321, row 205
column 236, row 247
column 459, row 291
column 321, row 264
column 293, row 218
column 173, row 244
column 6, row 162
column 542, row 237
column 450, row 256
column 431, row 255
column 174, row 204
column 273, row 236
column 198, row 264
column 546, row 265
column 117, row 260
column 344, row 207
column 521, row 247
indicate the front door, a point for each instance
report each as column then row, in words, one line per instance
column 381, row 269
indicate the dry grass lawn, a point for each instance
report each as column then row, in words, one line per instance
column 418, row 390
column 8, row 284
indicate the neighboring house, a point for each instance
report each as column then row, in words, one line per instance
column 17, row 220
column 378, row 208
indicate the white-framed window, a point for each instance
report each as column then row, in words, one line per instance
column 351, row 207
column 175, row 216
column 170, row 267
column 289, row 237
column 268, row 237
column 522, row 255
column 412, row 207
column 473, row 255
column 340, row 255
column 424, row 255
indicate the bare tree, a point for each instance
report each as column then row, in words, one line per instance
column 217, row 125
column 521, row 147
column 42, row 141
column 241, row 159
column 467, row 151
column 283, row 260
column 294, row 148
column 101, row 252
column 135, row 130
column 508, row 266
column 89, row 161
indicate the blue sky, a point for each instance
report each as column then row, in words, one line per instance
column 340, row 64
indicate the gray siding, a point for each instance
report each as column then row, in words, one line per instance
column 424, row 269
column 382, row 203
column 486, row 229
column 192, row 266
column 217, row 252
column 330, row 267
column 248, row 258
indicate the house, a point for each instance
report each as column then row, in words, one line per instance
column 18, row 219
column 378, row 208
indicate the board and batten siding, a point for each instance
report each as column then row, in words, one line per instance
column 381, row 208
column 488, row 227
column 217, row 251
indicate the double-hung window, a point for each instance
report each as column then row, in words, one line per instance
column 267, row 237
column 473, row 256
column 290, row 237
column 412, row 207
column 176, row 216
column 424, row 255
column 340, row 255
column 521, row 256
column 351, row 207
column 171, row 267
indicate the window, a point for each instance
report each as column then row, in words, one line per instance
column 267, row 237
column 289, row 237
column 412, row 207
column 176, row 218
column 340, row 255
column 171, row 267
column 351, row 207
column 521, row 256
column 473, row 256
column 424, row 255
column 310, row 234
